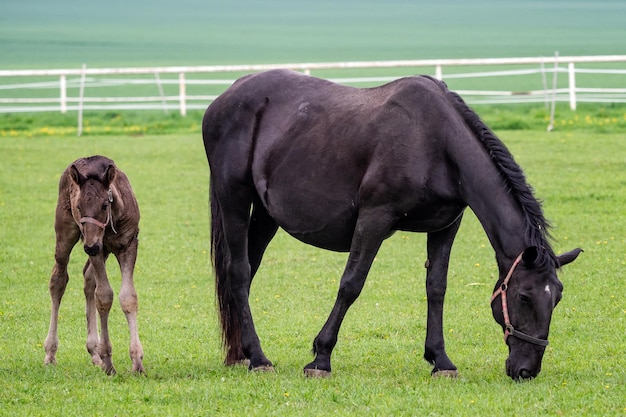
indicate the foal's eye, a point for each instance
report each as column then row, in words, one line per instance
column 104, row 207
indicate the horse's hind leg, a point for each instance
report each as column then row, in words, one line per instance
column 439, row 246
column 235, row 210
column 129, row 303
column 67, row 234
column 260, row 232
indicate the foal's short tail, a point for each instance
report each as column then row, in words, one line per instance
column 220, row 257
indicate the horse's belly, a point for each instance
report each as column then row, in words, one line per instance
column 431, row 218
column 313, row 218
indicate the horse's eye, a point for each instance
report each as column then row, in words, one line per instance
column 525, row 299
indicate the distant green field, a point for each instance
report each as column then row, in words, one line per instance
column 67, row 33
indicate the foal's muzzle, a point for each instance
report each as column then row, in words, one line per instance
column 92, row 250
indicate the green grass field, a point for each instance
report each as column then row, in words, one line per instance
column 579, row 170
column 378, row 368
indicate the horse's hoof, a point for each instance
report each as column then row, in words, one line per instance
column 316, row 373
column 108, row 367
column 446, row 373
column 95, row 359
column 263, row 368
column 244, row 362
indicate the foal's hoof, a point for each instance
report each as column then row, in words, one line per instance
column 446, row 373
column 316, row 373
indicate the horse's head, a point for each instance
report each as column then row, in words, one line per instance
column 92, row 205
column 522, row 304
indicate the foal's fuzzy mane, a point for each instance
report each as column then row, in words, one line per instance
column 537, row 231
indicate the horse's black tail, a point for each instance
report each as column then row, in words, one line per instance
column 220, row 256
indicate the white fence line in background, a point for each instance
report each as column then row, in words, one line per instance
column 91, row 78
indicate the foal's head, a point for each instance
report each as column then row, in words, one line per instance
column 522, row 304
column 93, row 205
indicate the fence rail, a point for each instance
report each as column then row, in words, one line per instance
column 49, row 90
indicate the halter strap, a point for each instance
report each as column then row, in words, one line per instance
column 97, row 222
column 509, row 330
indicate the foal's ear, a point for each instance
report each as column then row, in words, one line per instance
column 76, row 176
column 568, row 257
column 530, row 255
column 109, row 175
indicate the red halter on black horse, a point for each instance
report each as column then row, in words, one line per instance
column 342, row 168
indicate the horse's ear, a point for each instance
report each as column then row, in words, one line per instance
column 76, row 176
column 109, row 175
column 530, row 255
column 568, row 257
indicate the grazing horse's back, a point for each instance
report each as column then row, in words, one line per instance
column 272, row 126
column 342, row 168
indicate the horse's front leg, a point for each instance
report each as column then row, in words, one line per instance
column 439, row 246
column 371, row 229
column 93, row 340
column 104, row 301
column 129, row 303
column 67, row 234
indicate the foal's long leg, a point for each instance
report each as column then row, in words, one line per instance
column 67, row 234
column 104, row 301
column 439, row 246
column 371, row 229
column 92, row 313
column 128, row 301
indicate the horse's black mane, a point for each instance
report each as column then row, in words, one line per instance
column 537, row 231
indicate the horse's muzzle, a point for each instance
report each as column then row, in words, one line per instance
column 92, row 250
column 521, row 373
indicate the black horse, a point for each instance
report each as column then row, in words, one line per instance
column 342, row 168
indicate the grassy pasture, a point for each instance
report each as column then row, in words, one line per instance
column 579, row 170
column 378, row 368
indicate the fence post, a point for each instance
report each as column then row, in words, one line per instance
column 161, row 92
column 572, row 86
column 438, row 72
column 63, row 98
column 554, row 85
column 81, row 97
column 181, row 89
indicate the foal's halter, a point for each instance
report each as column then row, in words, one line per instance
column 509, row 330
column 97, row 222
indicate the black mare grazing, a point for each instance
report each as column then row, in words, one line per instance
column 342, row 168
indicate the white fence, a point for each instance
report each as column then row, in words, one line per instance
column 78, row 89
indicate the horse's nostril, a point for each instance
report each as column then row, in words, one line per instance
column 92, row 250
column 525, row 374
